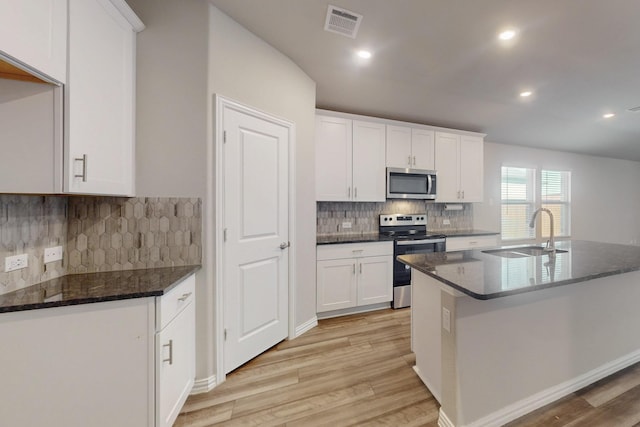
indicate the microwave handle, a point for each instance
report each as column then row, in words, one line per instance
column 429, row 184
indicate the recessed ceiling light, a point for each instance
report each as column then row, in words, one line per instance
column 507, row 34
column 365, row 54
column 608, row 115
column 526, row 93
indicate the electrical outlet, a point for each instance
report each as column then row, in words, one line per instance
column 346, row 225
column 52, row 254
column 446, row 222
column 16, row 262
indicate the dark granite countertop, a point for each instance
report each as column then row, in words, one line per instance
column 485, row 276
column 330, row 239
column 88, row 288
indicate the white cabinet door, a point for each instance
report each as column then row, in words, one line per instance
column 333, row 158
column 368, row 162
column 34, row 32
column 175, row 366
column 422, row 149
column 336, row 284
column 399, row 147
column 375, row 280
column 410, row 147
column 99, row 158
column 471, row 168
column 447, row 165
column 77, row 366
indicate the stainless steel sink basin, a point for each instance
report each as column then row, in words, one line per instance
column 521, row 252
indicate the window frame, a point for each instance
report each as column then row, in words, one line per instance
column 537, row 203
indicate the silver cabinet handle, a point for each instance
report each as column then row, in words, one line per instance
column 170, row 359
column 355, row 192
column 284, row 245
column 349, row 192
column 184, row 296
column 414, row 160
column 354, row 269
column 409, row 159
column 82, row 159
column 463, row 194
column 360, row 268
column 458, row 194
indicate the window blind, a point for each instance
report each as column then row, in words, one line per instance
column 517, row 194
column 555, row 195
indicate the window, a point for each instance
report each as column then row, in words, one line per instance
column 523, row 190
column 518, row 202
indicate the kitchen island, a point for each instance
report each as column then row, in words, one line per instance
column 499, row 333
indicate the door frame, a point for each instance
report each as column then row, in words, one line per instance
column 216, row 205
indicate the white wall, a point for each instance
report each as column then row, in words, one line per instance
column 605, row 195
column 246, row 69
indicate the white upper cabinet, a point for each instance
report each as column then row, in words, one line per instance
column 350, row 160
column 368, row 162
column 410, row 147
column 99, row 140
column 34, row 32
column 459, row 162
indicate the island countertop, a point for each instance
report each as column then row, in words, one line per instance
column 486, row 276
column 88, row 288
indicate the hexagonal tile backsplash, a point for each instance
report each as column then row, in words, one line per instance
column 113, row 233
column 97, row 233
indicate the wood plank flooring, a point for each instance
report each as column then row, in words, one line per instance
column 357, row 370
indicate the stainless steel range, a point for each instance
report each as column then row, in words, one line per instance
column 410, row 236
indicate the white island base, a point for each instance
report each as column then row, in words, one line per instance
column 495, row 360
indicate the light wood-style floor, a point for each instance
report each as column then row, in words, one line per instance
column 357, row 370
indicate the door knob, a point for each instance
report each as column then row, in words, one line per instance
column 284, row 245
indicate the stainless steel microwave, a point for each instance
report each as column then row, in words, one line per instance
column 411, row 184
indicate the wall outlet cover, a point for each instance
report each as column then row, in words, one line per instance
column 52, row 254
column 16, row 262
column 346, row 225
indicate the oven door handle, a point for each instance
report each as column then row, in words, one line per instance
column 419, row 242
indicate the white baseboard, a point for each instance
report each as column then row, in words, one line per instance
column 203, row 385
column 443, row 420
column 538, row 400
column 306, row 326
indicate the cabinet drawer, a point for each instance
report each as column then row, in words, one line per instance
column 471, row 242
column 175, row 301
column 354, row 250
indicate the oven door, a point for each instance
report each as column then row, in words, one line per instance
column 402, row 272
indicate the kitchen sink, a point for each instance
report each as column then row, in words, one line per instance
column 521, row 252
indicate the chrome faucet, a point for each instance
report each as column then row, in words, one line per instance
column 551, row 247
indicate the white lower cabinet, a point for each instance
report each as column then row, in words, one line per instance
column 354, row 274
column 101, row 365
column 175, row 352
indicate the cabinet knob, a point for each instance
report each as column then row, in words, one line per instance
column 284, row 245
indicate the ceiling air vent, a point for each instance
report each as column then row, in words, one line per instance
column 342, row 21
column 635, row 109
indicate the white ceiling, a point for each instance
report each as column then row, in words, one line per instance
column 439, row 62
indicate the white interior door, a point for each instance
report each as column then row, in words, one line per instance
column 256, row 203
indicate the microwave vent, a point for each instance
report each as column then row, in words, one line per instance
column 342, row 21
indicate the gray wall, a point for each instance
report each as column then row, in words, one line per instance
column 605, row 198
column 171, row 121
column 244, row 68
column 189, row 52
